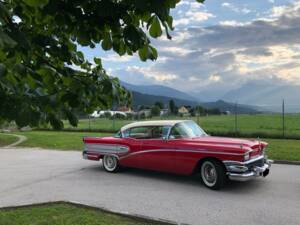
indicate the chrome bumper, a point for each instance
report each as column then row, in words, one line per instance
column 243, row 171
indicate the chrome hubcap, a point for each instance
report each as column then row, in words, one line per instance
column 209, row 173
column 109, row 162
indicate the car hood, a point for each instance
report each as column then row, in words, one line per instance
column 235, row 144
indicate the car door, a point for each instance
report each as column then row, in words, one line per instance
column 157, row 153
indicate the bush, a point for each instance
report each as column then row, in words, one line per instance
column 119, row 116
column 107, row 114
column 155, row 111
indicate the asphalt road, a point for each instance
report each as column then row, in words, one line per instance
column 32, row 176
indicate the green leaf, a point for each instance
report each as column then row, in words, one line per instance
column 6, row 41
column 143, row 53
column 155, row 29
column 3, row 70
column 98, row 61
column 107, row 42
column 36, row 3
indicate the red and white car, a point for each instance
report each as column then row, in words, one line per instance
column 180, row 147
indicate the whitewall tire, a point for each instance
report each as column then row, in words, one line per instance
column 110, row 163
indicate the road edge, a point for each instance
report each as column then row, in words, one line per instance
column 286, row 162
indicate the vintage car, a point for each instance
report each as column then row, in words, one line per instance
column 180, row 147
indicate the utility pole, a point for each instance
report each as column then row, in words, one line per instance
column 198, row 114
column 235, row 118
column 283, row 119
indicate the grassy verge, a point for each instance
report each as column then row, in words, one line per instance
column 7, row 139
column 56, row 140
column 282, row 149
column 279, row 149
column 65, row 214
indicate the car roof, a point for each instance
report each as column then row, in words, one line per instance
column 152, row 123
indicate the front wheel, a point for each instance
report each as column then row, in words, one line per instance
column 110, row 163
column 213, row 174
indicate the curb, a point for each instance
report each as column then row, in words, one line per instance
column 297, row 163
column 102, row 209
column 21, row 139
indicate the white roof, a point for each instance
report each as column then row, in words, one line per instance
column 152, row 123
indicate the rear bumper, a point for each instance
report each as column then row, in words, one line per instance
column 243, row 171
column 90, row 156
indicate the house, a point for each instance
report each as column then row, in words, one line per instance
column 164, row 112
column 124, row 109
column 184, row 110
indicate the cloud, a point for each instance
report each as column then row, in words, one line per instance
column 236, row 9
column 224, row 56
column 194, row 13
column 231, row 23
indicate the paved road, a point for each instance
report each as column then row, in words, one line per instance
column 30, row 176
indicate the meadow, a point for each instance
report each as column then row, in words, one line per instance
column 259, row 125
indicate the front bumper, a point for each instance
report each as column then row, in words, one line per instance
column 243, row 171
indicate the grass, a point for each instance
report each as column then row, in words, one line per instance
column 65, row 214
column 279, row 149
column 282, row 149
column 263, row 125
column 7, row 139
column 56, row 139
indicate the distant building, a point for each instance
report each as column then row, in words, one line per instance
column 164, row 112
column 146, row 112
column 124, row 109
column 183, row 110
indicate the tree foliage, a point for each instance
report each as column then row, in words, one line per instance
column 172, row 107
column 43, row 75
column 155, row 110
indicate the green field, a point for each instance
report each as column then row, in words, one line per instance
column 65, row 214
column 279, row 149
column 7, row 139
column 263, row 125
column 56, row 139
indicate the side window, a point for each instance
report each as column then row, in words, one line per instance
column 149, row 132
column 118, row 135
column 139, row 132
column 178, row 132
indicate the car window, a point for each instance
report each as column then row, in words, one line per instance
column 147, row 132
column 188, row 129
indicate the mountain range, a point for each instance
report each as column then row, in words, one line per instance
column 261, row 96
column 149, row 94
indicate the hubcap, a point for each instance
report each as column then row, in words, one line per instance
column 110, row 162
column 209, row 173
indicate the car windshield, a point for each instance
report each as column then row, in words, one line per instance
column 187, row 129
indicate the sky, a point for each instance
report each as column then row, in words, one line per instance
column 219, row 46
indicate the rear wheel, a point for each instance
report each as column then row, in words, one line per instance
column 213, row 174
column 110, row 163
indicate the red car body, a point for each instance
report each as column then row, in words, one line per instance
column 242, row 159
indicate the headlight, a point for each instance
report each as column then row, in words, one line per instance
column 247, row 156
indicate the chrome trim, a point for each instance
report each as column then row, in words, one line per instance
column 238, row 171
column 245, row 162
column 178, row 150
column 106, row 149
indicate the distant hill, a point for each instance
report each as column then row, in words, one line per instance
column 149, row 100
column 158, row 90
column 227, row 106
column 267, row 96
